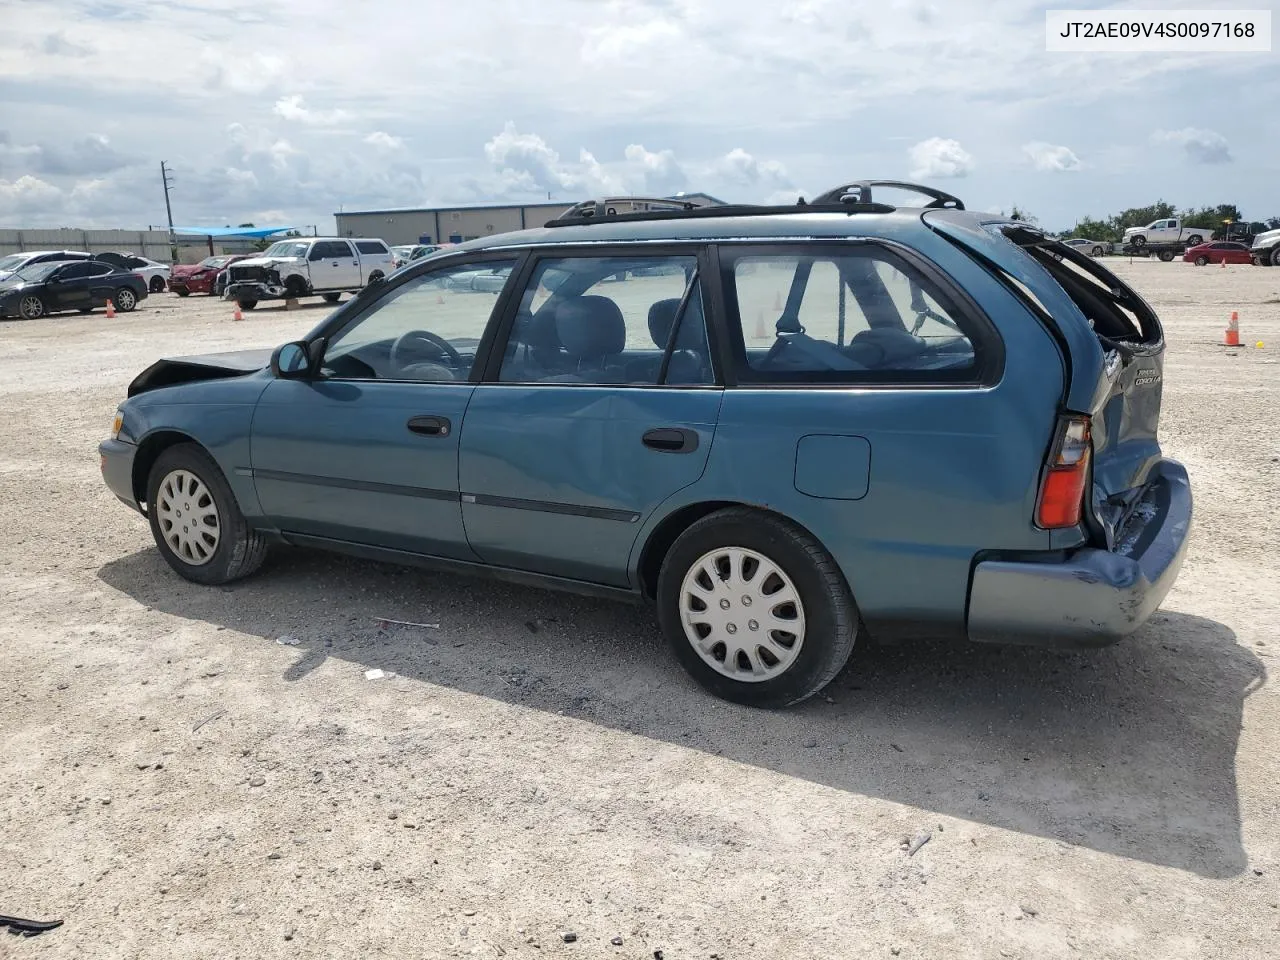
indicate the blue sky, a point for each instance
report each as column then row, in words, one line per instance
column 286, row 111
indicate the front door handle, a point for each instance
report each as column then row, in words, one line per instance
column 671, row 440
column 429, row 426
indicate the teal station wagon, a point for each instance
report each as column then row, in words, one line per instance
column 784, row 426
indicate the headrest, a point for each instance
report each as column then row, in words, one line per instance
column 662, row 314
column 591, row 327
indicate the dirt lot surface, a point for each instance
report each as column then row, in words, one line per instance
column 175, row 782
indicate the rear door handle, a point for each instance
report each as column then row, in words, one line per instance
column 671, row 440
column 429, row 426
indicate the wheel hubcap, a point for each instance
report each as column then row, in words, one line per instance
column 742, row 614
column 125, row 299
column 32, row 307
column 188, row 517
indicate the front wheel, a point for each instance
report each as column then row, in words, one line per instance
column 125, row 299
column 332, row 297
column 1201, row 260
column 157, row 285
column 1097, row 251
column 1275, row 256
column 1195, row 240
column 1139, row 241
column 755, row 609
column 31, row 308
column 247, row 304
column 196, row 521
column 182, row 292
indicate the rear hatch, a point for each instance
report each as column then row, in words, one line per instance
column 1115, row 376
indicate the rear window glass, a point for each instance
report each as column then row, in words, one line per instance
column 1112, row 307
column 370, row 246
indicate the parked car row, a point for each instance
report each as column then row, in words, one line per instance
column 309, row 266
column 53, row 286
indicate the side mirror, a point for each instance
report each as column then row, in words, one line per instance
column 291, row 361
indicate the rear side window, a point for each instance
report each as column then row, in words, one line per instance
column 370, row 246
column 844, row 316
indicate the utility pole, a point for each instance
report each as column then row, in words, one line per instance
column 173, row 243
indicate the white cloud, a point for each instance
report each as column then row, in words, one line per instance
column 1200, row 146
column 614, row 41
column 1051, row 157
column 742, row 168
column 384, row 141
column 294, row 108
column 939, row 158
column 659, row 170
column 27, row 195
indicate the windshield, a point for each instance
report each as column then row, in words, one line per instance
column 12, row 261
column 286, row 248
column 214, row 261
column 39, row 271
column 404, row 251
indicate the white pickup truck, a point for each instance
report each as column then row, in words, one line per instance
column 1165, row 231
column 309, row 266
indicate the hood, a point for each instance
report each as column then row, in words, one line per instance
column 1265, row 238
column 9, row 282
column 207, row 366
column 190, row 270
column 1130, row 231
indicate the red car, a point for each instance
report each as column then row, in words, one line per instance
column 1217, row 252
column 188, row 278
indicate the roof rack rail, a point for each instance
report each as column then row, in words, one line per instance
column 610, row 207
column 600, row 211
column 859, row 191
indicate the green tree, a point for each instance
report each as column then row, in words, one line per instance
column 1026, row 216
column 1091, row 229
column 1141, row 216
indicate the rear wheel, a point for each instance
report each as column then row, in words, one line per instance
column 375, row 276
column 196, row 521
column 156, row 285
column 1166, row 255
column 755, row 609
column 125, row 299
column 31, row 308
column 247, row 304
column 1201, row 260
column 1275, row 256
column 332, row 297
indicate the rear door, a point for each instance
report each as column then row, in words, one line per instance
column 600, row 402
column 334, row 266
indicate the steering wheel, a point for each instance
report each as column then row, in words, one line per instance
column 402, row 349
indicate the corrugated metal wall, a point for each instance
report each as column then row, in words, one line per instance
column 147, row 243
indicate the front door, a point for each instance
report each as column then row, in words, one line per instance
column 368, row 451
column 68, row 288
column 334, row 266
column 602, row 404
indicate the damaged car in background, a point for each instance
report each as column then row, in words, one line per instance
column 309, row 266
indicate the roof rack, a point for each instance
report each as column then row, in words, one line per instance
column 849, row 198
column 859, row 191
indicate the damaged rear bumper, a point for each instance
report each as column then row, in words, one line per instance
column 1091, row 597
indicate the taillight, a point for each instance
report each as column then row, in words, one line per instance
column 1067, row 471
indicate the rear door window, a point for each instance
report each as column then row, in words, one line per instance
column 849, row 315
column 370, row 246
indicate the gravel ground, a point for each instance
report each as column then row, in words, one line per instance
column 181, row 779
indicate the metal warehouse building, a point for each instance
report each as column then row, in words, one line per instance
column 456, row 224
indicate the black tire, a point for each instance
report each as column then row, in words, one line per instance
column 1201, row 260
column 1195, row 240
column 247, row 304
column 125, row 299
column 239, row 551
column 1139, row 241
column 1097, row 251
column 182, row 292
column 375, row 276
column 1275, row 256
column 831, row 618
column 1166, row 255
column 156, row 285
column 332, row 297
column 295, row 287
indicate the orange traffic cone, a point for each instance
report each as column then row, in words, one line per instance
column 1223, row 263
column 1232, row 338
column 777, row 301
column 237, row 315
column 761, row 332
column 111, row 309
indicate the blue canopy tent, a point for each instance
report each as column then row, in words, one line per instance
column 228, row 233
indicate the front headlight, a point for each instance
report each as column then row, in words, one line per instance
column 116, row 424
